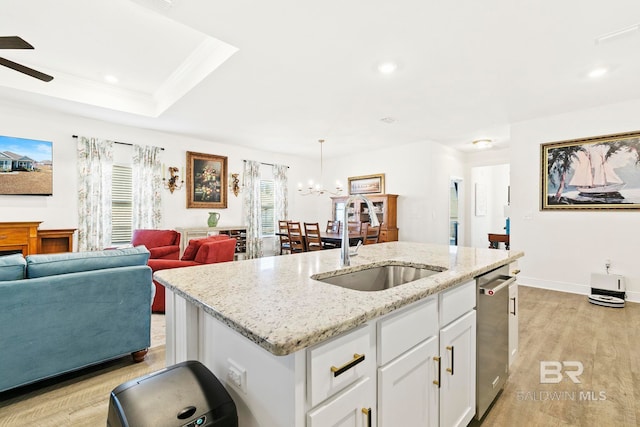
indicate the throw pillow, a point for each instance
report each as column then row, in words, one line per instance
column 194, row 246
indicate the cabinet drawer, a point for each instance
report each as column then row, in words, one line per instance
column 336, row 364
column 14, row 237
column 400, row 331
column 456, row 301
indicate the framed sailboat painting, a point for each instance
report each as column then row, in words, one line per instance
column 600, row 172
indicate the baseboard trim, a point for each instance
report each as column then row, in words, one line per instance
column 572, row 288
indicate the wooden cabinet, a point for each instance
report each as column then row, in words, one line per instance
column 386, row 210
column 19, row 237
column 55, row 241
column 25, row 237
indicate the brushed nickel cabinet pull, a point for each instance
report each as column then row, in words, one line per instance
column 357, row 358
column 439, row 380
column 450, row 370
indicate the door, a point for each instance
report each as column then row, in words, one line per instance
column 353, row 407
column 458, row 371
column 454, row 211
column 408, row 392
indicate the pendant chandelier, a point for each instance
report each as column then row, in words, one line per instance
column 318, row 189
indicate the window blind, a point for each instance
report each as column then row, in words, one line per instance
column 267, row 207
column 121, row 205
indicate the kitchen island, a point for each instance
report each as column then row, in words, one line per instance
column 257, row 323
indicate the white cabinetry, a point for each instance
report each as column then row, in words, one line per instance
column 458, row 370
column 513, row 322
column 405, row 368
column 353, row 407
column 458, row 355
column 513, row 314
column 407, row 395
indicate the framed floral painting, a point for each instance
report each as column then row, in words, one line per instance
column 600, row 172
column 206, row 180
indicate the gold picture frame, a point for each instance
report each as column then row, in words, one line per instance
column 206, row 181
column 601, row 172
column 366, row 184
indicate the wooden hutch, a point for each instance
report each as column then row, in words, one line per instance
column 386, row 209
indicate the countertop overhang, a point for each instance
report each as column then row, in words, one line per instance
column 273, row 301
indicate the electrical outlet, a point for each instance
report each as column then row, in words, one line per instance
column 237, row 376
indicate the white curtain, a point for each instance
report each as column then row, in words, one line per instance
column 95, row 164
column 252, row 208
column 145, row 186
column 281, row 196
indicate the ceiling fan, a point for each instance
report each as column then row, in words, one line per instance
column 15, row 42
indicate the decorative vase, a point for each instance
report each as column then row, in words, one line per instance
column 213, row 219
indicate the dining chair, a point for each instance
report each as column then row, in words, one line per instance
column 333, row 226
column 355, row 227
column 312, row 236
column 285, row 246
column 296, row 239
column 370, row 235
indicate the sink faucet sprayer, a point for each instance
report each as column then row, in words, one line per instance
column 373, row 219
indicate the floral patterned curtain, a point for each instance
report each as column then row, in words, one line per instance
column 281, row 192
column 146, row 186
column 251, row 205
column 95, row 163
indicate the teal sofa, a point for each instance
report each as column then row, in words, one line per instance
column 63, row 312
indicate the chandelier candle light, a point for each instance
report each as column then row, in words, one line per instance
column 319, row 189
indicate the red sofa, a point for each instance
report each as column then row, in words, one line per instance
column 162, row 244
column 209, row 250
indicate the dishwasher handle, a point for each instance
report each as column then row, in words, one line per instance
column 489, row 291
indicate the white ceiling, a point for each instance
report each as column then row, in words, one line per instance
column 280, row 74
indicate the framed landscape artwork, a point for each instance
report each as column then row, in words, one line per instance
column 26, row 167
column 206, row 180
column 367, row 184
column 600, row 172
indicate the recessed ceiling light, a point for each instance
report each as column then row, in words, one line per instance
column 387, row 67
column 111, row 79
column 598, row 72
column 482, row 143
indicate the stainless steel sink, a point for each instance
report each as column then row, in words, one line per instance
column 378, row 278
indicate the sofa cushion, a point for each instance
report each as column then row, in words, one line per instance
column 12, row 267
column 155, row 238
column 194, row 246
column 72, row 262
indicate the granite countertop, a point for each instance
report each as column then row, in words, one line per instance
column 274, row 302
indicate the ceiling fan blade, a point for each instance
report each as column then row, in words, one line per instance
column 26, row 70
column 13, row 42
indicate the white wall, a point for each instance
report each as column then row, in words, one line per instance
column 495, row 180
column 420, row 174
column 562, row 248
column 60, row 210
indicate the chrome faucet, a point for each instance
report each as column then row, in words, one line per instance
column 373, row 220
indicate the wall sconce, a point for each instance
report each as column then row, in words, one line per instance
column 234, row 184
column 172, row 183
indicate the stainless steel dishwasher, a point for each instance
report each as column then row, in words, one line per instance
column 492, row 339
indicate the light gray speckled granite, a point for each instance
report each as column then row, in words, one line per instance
column 273, row 301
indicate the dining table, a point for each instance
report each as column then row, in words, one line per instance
column 334, row 239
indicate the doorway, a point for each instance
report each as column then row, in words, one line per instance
column 455, row 187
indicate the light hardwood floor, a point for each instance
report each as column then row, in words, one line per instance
column 554, row 326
